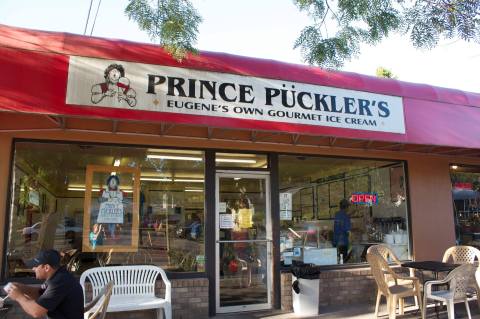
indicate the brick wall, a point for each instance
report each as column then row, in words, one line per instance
column 337, row 287
column 189, row 300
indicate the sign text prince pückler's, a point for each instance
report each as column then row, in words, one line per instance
column 136, row 86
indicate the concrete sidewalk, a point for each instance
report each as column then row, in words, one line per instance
column 358, row 311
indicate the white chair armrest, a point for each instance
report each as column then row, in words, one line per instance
column 168, row 285
column 427, row 288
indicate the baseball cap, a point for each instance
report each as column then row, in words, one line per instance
column 45, row 257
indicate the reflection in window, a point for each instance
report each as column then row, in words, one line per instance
column 333, row 209
column 49, row 191
column 466, row 200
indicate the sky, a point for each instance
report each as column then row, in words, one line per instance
column 257, row 28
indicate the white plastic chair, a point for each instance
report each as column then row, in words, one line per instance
column 134, row 288
column 394, row 293
column 384, row 251
column 458, row 281
column 462, row 255
column 97, row 308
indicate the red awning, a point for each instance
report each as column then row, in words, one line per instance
column 35, row 65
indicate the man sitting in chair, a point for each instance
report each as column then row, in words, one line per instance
column 60, row 297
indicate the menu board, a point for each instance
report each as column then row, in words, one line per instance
column 285, row 206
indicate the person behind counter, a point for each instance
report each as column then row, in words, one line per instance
column 341, row 230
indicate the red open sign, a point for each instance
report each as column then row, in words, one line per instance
column 364, row 198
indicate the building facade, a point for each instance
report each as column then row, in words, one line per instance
column 225, row 170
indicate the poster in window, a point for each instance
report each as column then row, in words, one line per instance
column 111, row 209
column 337, row 193
column 286, row 206
column 397, row 184
column 323, row 202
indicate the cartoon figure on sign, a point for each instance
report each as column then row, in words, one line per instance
column 115, row 85
column 111, row 207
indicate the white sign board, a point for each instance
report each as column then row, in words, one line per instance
column 226, row 221
column 222, row 207
column 157, row 88
column 285, row 206
column 110, row 212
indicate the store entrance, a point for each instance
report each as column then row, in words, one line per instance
column 243, row 241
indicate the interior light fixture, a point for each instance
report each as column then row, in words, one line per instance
column 186, row 180
column 116, row 162
column 156, row 179
column 235, row 160
column 237, row 178
column 194, row 190
column 175, row 157
column 454, row 166
column 82, row 189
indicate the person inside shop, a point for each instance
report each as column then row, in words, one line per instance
column 195, row 227
column 61, row 295
column 341, row 231
column 96, row 235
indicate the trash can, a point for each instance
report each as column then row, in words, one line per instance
column 305, row 289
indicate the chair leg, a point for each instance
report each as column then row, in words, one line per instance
column 420, row 304
column 377, row 304
column 167, row 310
column 401, row 305
column 450, row 309
column 424, row 307
column 468, row 309
column 415, row 298
column 393, row 307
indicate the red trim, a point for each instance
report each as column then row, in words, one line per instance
column 34, row 68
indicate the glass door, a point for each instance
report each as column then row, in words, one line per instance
column 243, row 242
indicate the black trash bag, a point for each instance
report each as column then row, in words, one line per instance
column 295, row 287
column 303, row 271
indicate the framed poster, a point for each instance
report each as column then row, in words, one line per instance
column 397, row 184
column 111, row 209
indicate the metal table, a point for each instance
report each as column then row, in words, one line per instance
column 433, row 266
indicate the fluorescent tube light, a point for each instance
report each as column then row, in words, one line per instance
column 156, row 179
column 235, row 160
column 194, row 190
column 174, row 157
column 82, row 189
column 186, row 180
column 116, row 162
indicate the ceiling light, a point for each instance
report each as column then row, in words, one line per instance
column 194, row 190
column 235, row 160
column 237, row 178
column 185, row 180
column 116, row 162
column 454, row 166
column 173, row 157
column 156, row 179
column 82, row 189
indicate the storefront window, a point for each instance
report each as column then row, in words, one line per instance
column 103, row 205
column 333, row 209
column 466, row 203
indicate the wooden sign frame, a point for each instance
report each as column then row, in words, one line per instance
column 86, row 245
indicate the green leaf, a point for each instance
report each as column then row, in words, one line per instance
column 173, row 23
